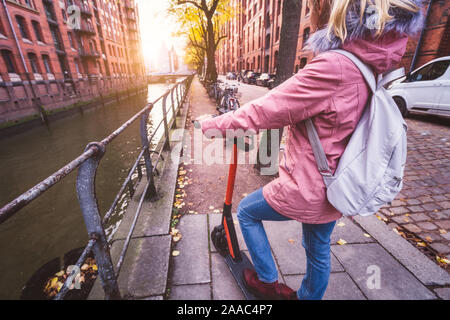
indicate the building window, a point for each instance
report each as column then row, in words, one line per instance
column 77, row 66
column 9, row 61
column 21, row 24
column 2, row 30
column 303, row 62
column 305, row 36
column 99, row 67
column 275, row 60
column 268, row 41
column 30, row 4
column 48, row 8
column 47, row 64
column 37, row 30
column 56, row 38
column 33, row 62
column 71, row 41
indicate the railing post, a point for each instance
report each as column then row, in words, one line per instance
column 178, row 99
column 151, row 192
column 174, row 112
column 89, row 208
column 166, row 126
column 183, row 88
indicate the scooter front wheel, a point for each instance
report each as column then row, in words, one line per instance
column 219, row 239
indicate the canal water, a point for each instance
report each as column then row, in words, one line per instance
column 53, row 225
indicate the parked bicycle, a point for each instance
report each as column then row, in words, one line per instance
column 228, row 101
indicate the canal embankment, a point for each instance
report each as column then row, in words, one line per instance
column 12, row 127
column 52, row 225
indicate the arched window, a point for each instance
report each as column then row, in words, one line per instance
column 30, row 3
column 268, row 41
column 47, row 63
column 99, row 67
column 266, row 63
column 8, row 59
column 77, row 66
column 37, row 30
column 2, row 29
column 305, row 36
column 34, row 63
column 275, row 63
column 303, row 62
column 21, row 24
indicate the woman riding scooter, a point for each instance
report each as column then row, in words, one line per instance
column 331, row 90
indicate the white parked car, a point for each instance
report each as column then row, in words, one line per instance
column 425, row 90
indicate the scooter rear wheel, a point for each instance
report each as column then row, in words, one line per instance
column 219, row 239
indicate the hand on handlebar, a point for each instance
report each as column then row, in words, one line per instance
column 197, row 121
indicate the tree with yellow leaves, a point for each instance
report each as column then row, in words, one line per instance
column 201, row 23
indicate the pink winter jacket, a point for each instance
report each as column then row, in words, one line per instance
column 332, row 91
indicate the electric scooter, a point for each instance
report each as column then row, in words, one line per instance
column 224, row 235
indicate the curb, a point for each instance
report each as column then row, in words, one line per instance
column 425, row 270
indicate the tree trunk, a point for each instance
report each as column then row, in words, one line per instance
column 288, row 40
column 286, row 58
column 211, row 71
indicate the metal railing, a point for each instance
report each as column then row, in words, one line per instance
column 87, row 164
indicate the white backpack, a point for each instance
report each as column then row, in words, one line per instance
column 370, row 171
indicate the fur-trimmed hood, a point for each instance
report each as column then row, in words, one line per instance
column 403, row 23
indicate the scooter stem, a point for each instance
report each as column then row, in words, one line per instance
column 232, row 175
column 227, row 219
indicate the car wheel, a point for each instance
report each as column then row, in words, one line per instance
column 401, row 106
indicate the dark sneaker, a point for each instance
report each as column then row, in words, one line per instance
column 267, row 291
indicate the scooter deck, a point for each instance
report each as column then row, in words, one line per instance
column 236, row 269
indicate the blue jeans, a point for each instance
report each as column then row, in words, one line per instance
column 252, row 210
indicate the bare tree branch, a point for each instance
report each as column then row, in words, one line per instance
column 180, row 2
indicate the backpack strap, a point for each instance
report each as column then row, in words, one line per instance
column 364, row 68
column 319, row 153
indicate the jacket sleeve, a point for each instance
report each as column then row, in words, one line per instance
column 304, row 95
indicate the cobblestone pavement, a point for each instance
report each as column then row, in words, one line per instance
column 421, row 212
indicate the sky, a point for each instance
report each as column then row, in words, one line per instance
column 156, row 29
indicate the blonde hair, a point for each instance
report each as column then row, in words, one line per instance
column 339, row 9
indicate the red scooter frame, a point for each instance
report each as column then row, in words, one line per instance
column 224, row 236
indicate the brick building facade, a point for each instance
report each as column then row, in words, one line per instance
column 55, row 53
column 253, row 37
column 435, row 38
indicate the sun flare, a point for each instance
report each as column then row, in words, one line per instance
column 157, row 28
